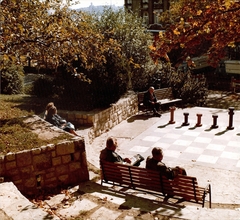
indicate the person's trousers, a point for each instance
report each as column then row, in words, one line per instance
column 155, row 107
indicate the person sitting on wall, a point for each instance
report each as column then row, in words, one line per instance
column 53, row 118
column 49, row 105
column 109, row 154
column 150, row 100
column 154, row 162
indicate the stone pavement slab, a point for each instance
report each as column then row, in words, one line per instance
column 105, row 213
column 131, row 204
column 76, row 208
column 17, row 207
column 3, row 216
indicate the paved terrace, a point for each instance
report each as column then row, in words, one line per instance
column 211, row 155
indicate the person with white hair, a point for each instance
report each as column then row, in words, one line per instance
column 109, row 154
column 151, row 101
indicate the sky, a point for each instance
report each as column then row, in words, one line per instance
column 86, row 3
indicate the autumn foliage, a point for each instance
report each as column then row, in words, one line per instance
column 50, row 34
column 85, row 53
column 200, row 27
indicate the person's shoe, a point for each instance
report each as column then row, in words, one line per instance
column 157, row 114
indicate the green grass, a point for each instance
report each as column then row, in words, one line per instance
column 15, row 135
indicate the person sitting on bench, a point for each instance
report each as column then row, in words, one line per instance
column 154, row 162
column 150, row 100
column 109, row 154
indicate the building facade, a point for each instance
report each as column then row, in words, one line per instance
column 149, row 10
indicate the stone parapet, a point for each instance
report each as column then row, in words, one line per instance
column 101, row 120
column 47, row 167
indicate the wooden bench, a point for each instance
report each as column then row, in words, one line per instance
column 182, row 187
column 234, row 83
column 164, row 96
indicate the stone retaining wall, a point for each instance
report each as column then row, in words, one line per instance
column 63, row 164
column 47, row 167
column 100, row 121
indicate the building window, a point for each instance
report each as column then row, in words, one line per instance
column 158, row 4
column 145, row 18
column 157, row 13
column 145, row 4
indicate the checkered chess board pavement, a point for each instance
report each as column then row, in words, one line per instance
column 218, row 148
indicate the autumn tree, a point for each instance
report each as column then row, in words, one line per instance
column 110, row 51
column 198, row 27
column 54, row 37
column 49, row 33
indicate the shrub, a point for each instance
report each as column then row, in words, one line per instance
column 12, row 79
column 106, row 88
column 189, row 87
column 43, row 87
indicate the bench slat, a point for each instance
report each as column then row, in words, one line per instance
column 143, row 179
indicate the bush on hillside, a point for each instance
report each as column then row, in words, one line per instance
column 12, row 77
column 43, row 87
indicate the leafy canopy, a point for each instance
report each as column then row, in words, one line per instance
column 127, row 29
column 50, row 33
column 198, row 27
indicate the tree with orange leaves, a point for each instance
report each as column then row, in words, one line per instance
column 200, row 27
column 51, row 34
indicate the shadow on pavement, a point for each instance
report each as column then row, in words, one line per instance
column 139, row 117
column 132, row 199
column 141, row 201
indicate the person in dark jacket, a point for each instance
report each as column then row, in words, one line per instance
column 109, row 154
column 53, row 118
column 151, row 101
column 154, row 162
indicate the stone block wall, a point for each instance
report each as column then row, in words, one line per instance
column 47, row 167
column 110, row 117
column 100, row 121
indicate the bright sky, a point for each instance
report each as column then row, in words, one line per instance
column 86, row 3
